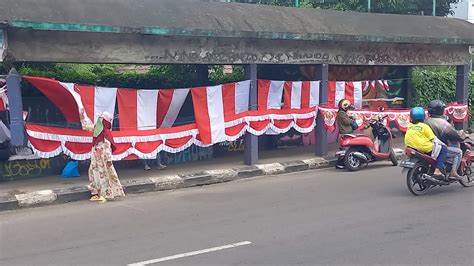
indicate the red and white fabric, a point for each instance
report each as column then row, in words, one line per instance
column 350, row 90
column 235, row 97
column 301, row 94
column 209, row 113
column 3, row 95
column 60, row 94
column 95, row 100
column 149, row 109
column 401, row 117
column 48, row 142
column 137, row 109
column 170, row 103
column 458, row 112
column 270, row 94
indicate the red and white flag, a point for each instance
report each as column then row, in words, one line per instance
column 213, row 104
column 270, row 94
column 301, row 94
column 235, row 97
column 149, row 109
column 95, row 100
column 63, row 95
column 170, row 103
column 137, row 109
column 350, row 90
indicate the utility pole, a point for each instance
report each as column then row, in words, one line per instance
column 434, row 8
column 369, row 5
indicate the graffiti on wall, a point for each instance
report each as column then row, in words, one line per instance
column 191, row 154
column 25, row 168
column 229, row 146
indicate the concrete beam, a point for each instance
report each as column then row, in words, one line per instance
column 85, row 47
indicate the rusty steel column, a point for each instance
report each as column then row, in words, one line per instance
column 251, row 141
column 322, row 73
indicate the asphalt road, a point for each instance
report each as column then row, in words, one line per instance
column 324, row 217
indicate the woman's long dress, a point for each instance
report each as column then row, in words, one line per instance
column 103, row 178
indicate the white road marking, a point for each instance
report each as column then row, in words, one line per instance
column 188, row 254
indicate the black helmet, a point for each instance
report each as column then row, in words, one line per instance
column 436, row 108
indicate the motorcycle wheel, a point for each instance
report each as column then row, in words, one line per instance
column 467, row 179
column 351, row 162
column 393, row 158
column 415, row 183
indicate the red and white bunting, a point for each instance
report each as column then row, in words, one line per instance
column 458, row 112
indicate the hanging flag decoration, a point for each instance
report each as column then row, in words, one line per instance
column 458, row 113
column 222, row 113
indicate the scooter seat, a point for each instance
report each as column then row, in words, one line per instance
column 410, row 152
column 352, row 135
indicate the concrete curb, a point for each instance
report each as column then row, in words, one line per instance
column 141, row 185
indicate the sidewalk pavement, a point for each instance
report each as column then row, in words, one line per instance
column 56, row 189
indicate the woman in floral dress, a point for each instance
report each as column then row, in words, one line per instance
column 104, row 181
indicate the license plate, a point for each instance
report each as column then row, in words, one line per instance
column 340, row 153
column 407, row 164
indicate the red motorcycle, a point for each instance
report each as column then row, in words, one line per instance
column 419, row 168
column 356, row 151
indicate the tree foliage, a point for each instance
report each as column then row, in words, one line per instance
column 109, row 75
column 415, row 7
column 438, row 84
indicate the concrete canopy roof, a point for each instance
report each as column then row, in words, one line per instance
column 194, row 18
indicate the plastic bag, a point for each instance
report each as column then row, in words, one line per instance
column 71, row 169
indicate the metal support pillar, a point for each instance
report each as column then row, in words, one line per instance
column 251, row 141
column 17, row 125
column 462, row 89
column 322, row 73
column 407, row 84
column 203, row 75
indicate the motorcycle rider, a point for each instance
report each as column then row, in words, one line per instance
column 344, row 121
column 445, row 132
column 420, row 136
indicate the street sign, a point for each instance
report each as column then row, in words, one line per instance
column 3, row 45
